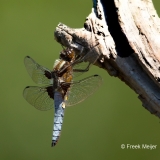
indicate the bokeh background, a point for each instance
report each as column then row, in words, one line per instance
column 94, row 129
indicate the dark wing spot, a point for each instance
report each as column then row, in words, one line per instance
column 65, row 87
column 50, row 91
column 47, row 74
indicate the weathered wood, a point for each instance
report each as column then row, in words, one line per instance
column 126, row 36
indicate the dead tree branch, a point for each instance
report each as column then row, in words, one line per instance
column 126, row 36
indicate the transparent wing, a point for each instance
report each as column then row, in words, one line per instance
column 80, row 90
column 83, row 62
column 39, row 97
column 38, row 73
column 80, row 68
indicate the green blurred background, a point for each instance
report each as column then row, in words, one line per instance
column 94, row 129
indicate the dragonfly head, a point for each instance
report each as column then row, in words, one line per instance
column 67, row 54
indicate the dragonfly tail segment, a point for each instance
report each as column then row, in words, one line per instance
column 58, row 117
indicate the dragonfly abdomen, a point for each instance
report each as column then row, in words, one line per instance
column 58, row 117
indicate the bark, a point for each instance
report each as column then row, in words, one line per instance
column 125, row 36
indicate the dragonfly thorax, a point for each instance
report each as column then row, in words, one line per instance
column 62, row 75
column 59, row 63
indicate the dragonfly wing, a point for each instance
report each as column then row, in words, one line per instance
column 80, row 68
column 58, row 117
column 83, row 62
column 39, row 97
column 80, row 90
column 38, row 73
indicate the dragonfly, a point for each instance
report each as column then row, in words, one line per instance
column 59, row 89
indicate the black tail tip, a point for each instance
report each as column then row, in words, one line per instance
column 53, row 143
